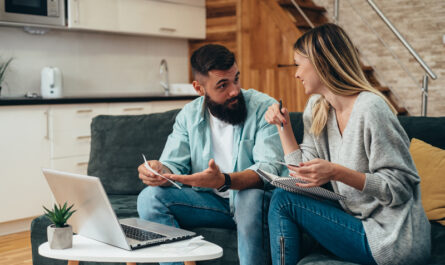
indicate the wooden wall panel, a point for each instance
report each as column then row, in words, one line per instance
column 261, row 34
column 266, row 43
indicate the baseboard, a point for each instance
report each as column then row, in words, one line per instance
column 16, row 226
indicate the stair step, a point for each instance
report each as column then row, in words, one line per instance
column 219, row 21
column 306, row 6
column 221, row 36
column 220, row 8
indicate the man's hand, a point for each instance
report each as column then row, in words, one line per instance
column 148, row 177
column 209, row 178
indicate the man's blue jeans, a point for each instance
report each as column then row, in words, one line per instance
column 290, row 214
column 188, row 208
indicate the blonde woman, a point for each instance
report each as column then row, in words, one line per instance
column 353, row 140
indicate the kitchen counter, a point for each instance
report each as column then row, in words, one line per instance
column 81, row 100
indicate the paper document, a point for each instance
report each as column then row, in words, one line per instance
column 157, row 174
column 288, row 184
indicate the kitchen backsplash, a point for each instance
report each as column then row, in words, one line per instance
column 91, row 63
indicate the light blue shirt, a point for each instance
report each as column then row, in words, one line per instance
column 256, row 144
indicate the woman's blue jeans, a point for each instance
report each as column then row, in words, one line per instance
column 291, row 214
column 188, row 208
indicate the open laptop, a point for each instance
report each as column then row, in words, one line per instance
column 94, row 218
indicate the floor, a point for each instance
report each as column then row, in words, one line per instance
column 15, row 249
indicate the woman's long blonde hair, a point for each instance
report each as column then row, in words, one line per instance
column 335, row 60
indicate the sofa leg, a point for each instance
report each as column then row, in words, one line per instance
column 73, row 262
column 131, row 263
column 189, row 263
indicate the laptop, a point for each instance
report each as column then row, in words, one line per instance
column 94, row 218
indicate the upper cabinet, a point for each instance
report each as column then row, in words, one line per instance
column 173, row 18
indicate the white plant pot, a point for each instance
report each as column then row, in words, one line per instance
column 60, row 237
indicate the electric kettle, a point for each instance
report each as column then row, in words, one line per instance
column 51, row 82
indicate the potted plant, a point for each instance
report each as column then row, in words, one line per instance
column 60, row 234
column 3, row 68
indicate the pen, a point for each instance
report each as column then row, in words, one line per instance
column 157, row 174
column 281, row 106
column 286, row 164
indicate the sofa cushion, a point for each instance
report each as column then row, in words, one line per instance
column 117, row 144
column 430, row 163
column 427, row 129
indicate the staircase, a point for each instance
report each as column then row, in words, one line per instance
column 233, row 23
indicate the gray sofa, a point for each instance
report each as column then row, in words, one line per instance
column 116, row 147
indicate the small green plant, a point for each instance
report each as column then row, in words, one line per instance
column 59, row 215
column 3, row 68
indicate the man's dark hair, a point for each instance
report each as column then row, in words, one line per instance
column 211, row 57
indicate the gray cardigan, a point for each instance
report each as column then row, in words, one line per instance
column 389, row 206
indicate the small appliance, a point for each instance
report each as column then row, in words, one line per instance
column 51, row 82
column 33, row 12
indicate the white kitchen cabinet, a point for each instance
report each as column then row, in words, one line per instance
column 161, row 106
column 173, row 18
column 136, row 108
column 70, row 128
column 75, row 164
column 24, row 150
column 52, row 136
column 71, row 135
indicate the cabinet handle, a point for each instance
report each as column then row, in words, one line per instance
column 167, row 29
column 77, row 19
column 84, row 111
column 134, row 109
column 82, row 164
column 47, row 125
column 83, row 137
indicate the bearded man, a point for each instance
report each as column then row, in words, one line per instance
column 217, row 143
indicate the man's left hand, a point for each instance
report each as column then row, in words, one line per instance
column 209, row 178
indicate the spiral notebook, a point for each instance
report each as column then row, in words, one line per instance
column 288, row 184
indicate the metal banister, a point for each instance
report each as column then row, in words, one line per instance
column 403, row 40
column 302, row 14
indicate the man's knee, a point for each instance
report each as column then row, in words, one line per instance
column 252, row 199
column 149, row 201
column 251, row 207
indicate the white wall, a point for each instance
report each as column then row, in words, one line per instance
column 92, row 63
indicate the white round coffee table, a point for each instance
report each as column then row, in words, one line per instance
column 85, row 249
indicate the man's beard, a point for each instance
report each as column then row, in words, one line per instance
column 235, row 114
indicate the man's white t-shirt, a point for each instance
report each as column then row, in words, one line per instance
column 222, row 141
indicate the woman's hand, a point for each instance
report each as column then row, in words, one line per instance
column 274, row 116
column 315, row 172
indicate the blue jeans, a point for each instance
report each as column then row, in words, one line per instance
column 290, row 214
column 188, row 208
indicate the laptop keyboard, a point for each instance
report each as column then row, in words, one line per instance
column 139, row 234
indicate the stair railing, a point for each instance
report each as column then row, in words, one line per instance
column 426, row 68
column 302, row 13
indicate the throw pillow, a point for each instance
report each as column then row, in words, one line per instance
column 430, row 163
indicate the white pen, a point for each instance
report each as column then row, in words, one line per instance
column 284, row 164
column 157, row 174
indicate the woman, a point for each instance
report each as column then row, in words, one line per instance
column 353, row 140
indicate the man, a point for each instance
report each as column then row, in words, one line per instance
column 218, row 140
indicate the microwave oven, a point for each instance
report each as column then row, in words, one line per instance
column 33, row 12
